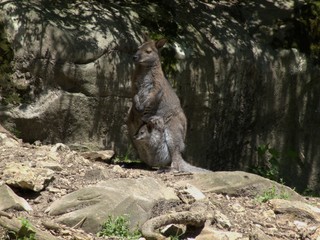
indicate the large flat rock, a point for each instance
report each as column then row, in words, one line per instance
column 238, row 183
column 93, row 204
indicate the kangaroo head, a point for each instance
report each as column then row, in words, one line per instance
column 148, row 53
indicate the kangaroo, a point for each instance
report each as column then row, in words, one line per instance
column 154, row 96
column 153, row 134
column 149, row 90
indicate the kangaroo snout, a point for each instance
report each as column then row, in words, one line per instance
column 135, row 57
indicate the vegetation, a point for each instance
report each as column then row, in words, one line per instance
column 128, row 157
column 118, row 227
column 159, row 19
column 305, row 34
column 25, row 232
column 174, row 238
column 268, row 162
column 272, row 193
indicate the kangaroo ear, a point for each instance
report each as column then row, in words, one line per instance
column 160, row 43
column 146, row 37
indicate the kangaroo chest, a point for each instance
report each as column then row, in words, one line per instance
column 144, row 83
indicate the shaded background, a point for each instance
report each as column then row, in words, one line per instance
column 246, row 72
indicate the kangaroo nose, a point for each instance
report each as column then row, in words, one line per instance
column 135, row 57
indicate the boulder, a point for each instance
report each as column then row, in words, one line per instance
column 238, row 183
column 8, row 199
column 8, row 139
column 104, row 156
column 92, row 205
column 295, row 208
column 22, row 175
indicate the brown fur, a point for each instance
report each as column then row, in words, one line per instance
column 156, row 97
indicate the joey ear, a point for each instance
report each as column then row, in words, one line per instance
column 160, row 43
column 150, row 126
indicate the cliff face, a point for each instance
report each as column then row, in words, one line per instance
column 246, row 74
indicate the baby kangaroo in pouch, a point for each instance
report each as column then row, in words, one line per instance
column 153, row 134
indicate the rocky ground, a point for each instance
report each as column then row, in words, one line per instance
column 44, row 174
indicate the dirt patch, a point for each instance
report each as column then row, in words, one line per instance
column 244, row 213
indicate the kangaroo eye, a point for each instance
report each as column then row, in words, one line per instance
column 148, row 51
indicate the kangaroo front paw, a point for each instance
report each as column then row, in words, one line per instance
column 139, row 108
column 157, row 122
column 137, row 104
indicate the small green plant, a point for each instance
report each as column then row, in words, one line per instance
column 268, row 162
column 118, row 227
column 127, row 157
column 174, row 237
column 272, row 193
column 26, row 231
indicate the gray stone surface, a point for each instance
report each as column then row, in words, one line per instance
column 295, row 208
column 7, row 139
column 210, row 233
column 104, row 156
column 24, row 176
column 114, row 197
column 238, row 183
column 8, row 200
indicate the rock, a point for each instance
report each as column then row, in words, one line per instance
column 237, row 208
column 210, row 233
column 59, row 147
column 118, row 169
column 25, row 177
column 316, row 234
column 189, row 194
column 296, row 208
column 116, row 197
column 8, row 199
column 15, row 225
column 104, row 156
column 8, row 141
column 194, row 192
column 269, row 214
column 53, row 165
column 173, row 230
column 300, row 224
column 258, row 234
column 238, row 183
column 222, row 220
